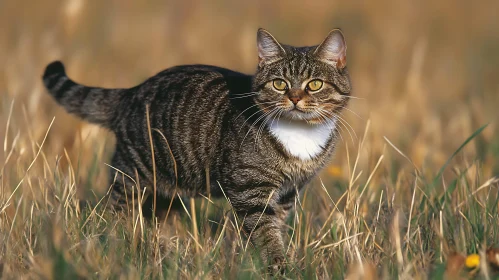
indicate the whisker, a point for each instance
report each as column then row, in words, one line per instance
column 341, row 124
column 349, row 126
column 253, row 106
column 325, row 113
column 278, row 116
column 251, row 126
column 339, row 119
column 262, row 125
column 238, row 97
column 246, row 110
column 346, row 108
column 339, row 133
column 325, row 118
column 260, row 110
column 317, row 114
column 243, row 95
column 352, row 97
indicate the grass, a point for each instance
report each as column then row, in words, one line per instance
column 412, row 187
column 48, row 234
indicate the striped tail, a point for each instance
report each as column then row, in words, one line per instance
column 95, row 105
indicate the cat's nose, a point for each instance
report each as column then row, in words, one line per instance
column 295, row 99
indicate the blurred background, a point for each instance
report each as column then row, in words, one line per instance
column 426, row 72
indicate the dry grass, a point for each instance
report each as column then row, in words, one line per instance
column 389, row 206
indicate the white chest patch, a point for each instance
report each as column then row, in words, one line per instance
column 302, row 140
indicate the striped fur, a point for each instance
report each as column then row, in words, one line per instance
column 95, row 105
column 210, row 119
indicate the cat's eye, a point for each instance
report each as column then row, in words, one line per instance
column 315, row 85
column 280, row 84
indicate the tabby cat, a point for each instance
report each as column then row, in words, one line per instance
column 256, row 139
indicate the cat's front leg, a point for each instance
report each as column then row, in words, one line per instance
column 263, row 220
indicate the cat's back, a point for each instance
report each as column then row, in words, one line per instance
column 193, row 93
column 196, row 78
column 180, row 90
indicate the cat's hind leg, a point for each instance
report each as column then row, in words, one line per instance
column 125, row 191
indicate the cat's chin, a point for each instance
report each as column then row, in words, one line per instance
column 297, row 115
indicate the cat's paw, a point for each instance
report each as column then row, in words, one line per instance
column 277, row 266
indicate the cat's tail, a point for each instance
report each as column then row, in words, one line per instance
column 95, row 105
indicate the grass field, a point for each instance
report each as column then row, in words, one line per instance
column 412, row 189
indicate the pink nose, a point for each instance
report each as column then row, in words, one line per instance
column 295, row 100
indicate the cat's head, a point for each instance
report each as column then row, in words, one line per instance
column 301, row 83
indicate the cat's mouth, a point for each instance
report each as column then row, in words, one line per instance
column 297, row 113
column 308, row 115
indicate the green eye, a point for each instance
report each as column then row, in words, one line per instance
column 315, row 85
column 279, row 84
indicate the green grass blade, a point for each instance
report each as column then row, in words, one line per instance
column 441, row 171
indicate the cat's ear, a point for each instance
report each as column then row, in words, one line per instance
column 333, row 50
column 269, row 50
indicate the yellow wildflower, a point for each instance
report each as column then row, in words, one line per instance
column 472, row 261
column 334, row 170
